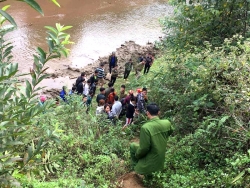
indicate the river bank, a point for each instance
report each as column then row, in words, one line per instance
column 67, row 76
column 98, row 28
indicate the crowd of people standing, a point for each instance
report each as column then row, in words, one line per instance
column 114, row 104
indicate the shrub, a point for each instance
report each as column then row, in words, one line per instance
column 22, row 143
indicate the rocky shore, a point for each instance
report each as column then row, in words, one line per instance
column 126, row 51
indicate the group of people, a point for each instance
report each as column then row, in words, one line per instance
column 108, row 100
column 148, row 156
column 143, row 62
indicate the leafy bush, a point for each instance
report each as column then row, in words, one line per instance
column 205, row 92
column 196, row 21
column 22, row 143
column 92, row 150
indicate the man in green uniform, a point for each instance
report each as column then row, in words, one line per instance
column 149, row 155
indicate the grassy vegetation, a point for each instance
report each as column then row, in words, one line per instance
column 202, row 87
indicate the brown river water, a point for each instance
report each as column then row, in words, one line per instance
column 99, row 27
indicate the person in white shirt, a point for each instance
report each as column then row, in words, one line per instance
column 100, row 107
column 86, row 88
column 117, row 107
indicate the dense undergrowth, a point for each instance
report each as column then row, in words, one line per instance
column 206, row 95
column 92, row 151
column 201, row 84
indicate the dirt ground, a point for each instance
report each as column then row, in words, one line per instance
column 130, row 180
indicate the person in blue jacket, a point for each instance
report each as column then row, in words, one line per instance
column 112, row 61
column 63, row 93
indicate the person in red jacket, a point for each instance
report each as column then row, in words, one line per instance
column 111, row 96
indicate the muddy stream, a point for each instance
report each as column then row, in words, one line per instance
column 99, row 27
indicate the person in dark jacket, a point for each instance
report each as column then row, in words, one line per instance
column 80, row 87
column 130, row 113
column 129, row 97
column 93, row 87
column 108, row 90
column 114, row 74
column 112, row 61
column 79, row 79
column 128, row 68
column 141, row 101
column 93, row 77
column 149, row 62
column 101, row 95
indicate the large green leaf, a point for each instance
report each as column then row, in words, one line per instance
column 34, row 5
column 8, row 17
column 52, row 29
column 3, row 19
column 5, row 7
column 239, row 176
column 66, row 27
column 42, row 54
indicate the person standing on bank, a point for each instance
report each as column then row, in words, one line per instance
column 93, row 77
column 80, row 87
column 149, row 62
column 100, row 74
column 79, row 79
column 128, row 68
column 149, row 155
column 138, row 68
column 112, row 61
column 114, row 74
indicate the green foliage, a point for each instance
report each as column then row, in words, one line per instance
column 92, row 150
column 212, row 20
column 22, row 143
column 205, row 93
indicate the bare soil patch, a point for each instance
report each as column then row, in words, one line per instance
column 130, row 180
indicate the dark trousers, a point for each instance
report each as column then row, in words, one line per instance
column 113, row 79
column 126, row 74
column 110, row 68
column 146, row 68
